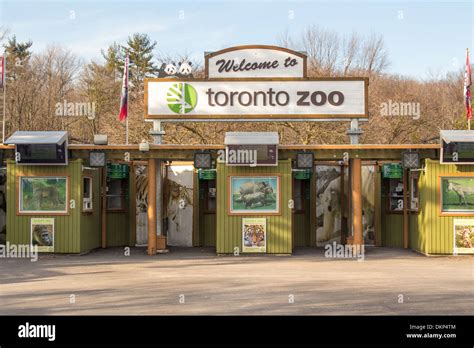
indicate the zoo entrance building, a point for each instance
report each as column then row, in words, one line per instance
column 250, row 194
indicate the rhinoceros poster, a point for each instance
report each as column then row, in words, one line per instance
column 254, row 195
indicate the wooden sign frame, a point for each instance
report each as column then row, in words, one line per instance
column 217, row 118
column 210, row 55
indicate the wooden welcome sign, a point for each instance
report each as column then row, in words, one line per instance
column 259, row 61
column 257, row 83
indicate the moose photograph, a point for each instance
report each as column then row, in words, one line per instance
column 254, row 194
column 457, row 194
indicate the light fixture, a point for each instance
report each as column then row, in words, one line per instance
column 97, row 159
column 144, row 146
column 411, row 160
column 100, row 139
column 202, row 160
column 304, row 160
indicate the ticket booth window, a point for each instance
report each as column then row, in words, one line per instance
column 301, row 192
column 395, row 194
column 116, row 194
column 209, row 195
column 87, row 194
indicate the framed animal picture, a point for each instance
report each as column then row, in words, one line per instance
column 42, row 195
column 42, row 234
column 456, row 195
column 463, row 236
column 254, row 235
column 254, row 194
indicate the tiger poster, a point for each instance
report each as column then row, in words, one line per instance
column 254, row 235
column 463, row 236
column 42, row 234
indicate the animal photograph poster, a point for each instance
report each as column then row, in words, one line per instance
column 42, row 234
column 254, row 235
column 463, row 236
column 457, row 194
column 43, row 194
column 254, row 194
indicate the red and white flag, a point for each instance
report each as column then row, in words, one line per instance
column 467, row 88
column 2, row 72
column 124, row 96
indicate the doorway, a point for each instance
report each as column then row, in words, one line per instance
column 207, row 212
column 301, row 212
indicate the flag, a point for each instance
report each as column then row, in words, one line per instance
column 467, row 88
column 124, row 96
column 2, row 72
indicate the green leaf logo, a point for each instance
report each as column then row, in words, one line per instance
column 181, row 98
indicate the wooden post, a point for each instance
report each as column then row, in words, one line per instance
column 104, row 206
column 378, row 207
column 356, row 193
column 343, row 225
column 405, row 209
column 151, row 211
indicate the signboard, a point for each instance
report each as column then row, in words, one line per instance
column 254, row 235
column 42, row 234
column 251, row 155
column 457, row 153
column 173, row 99
column 207, row 174
column 392, row 171
column 302, row 174
column 255, row 61
column 117, row 171
column 463, row 236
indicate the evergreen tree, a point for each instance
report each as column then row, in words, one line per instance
column 17, row 55
column 140, row 49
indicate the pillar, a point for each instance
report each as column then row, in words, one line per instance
column 151, row 211
column 405, row 209
column 356, row 197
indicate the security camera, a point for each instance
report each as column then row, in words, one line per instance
column 144, row 146
column 341, row 162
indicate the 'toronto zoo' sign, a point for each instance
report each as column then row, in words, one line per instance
column 174, row 99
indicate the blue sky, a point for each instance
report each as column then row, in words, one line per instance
column 430, row 38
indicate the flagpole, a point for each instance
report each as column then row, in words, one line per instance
column 468, row 119
column 4, row 78
column 128, row 94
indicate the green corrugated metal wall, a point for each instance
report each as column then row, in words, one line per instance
column 229, row 227
column 436, row 232
column 66, row 227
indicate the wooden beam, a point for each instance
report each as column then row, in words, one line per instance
column 356, row 193
column 151, row 211
column 405, row 209
column 103, row 190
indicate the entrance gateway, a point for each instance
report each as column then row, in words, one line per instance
column 249, row 195
column 247, row 199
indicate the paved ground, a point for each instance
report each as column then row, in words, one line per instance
column 107, row 282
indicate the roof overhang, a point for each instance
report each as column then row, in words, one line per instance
column 30, row 137
column 457, row 136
